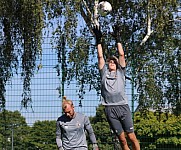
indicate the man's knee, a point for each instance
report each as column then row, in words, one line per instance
column 122, row 138
column 132, row 137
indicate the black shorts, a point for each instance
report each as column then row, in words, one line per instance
column 119, row 118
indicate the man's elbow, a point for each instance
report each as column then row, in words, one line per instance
column 100, row 58
column 121, row 54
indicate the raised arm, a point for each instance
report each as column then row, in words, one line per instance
column 117, row 36
column 98, row 35
column 101, row 61
column 121, row 55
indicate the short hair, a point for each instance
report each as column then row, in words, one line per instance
column 115, row 59
column 65, row 101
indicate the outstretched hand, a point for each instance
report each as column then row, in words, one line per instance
column 117, row 33
column 98, row 34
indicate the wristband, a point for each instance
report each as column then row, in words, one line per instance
column 118, row 40
column 98, row 41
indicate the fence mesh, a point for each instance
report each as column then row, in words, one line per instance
column 46, row 86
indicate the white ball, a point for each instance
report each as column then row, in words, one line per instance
column 104, row 8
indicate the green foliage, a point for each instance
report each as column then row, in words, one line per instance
column 22, row 23
column 12, row 123
column 158, row 130
column 154, row 130
column 42, row 136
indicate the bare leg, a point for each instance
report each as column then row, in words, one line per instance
column 134, row 141
column 123, row 141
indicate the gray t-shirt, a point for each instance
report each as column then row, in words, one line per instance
column 113, row 86
column 71, row 133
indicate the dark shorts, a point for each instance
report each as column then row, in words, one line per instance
column 119, row 118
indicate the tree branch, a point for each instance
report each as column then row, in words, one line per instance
column 89, row 12
column 96, row 22
column 149, row 31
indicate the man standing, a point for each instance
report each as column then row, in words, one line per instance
column 71, row 127
column 113, row 92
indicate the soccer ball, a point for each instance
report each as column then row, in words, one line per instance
column 104, row 8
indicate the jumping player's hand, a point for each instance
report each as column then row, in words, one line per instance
column 98, row 34
column 117, row 33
